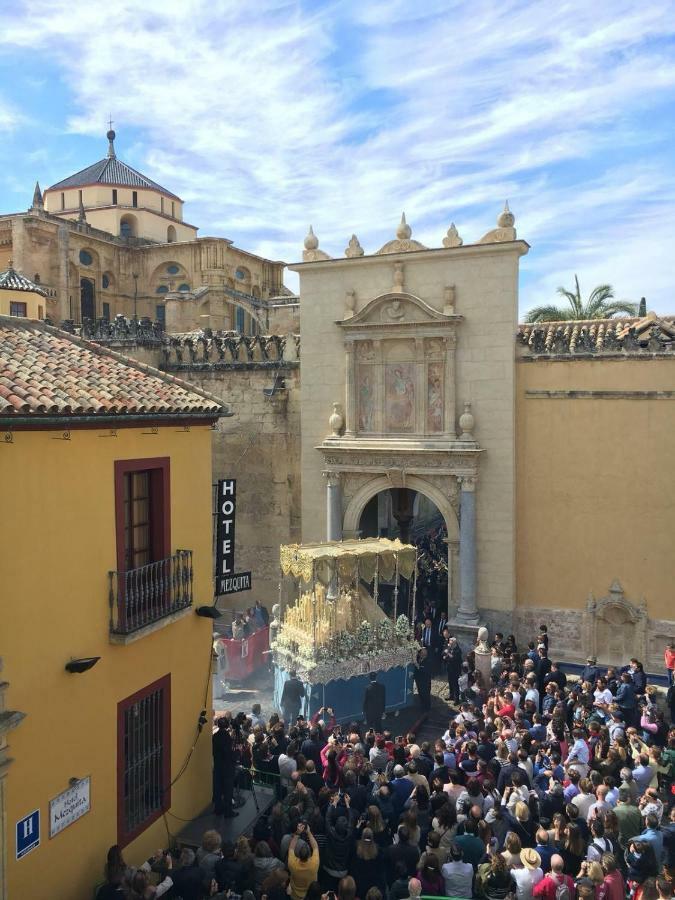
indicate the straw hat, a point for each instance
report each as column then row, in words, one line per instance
column 530, row 858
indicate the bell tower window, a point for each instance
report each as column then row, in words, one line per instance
column 114, row 196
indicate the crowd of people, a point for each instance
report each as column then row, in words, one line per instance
column 540, row 786
column 246, row 623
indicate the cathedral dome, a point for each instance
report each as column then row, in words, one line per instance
column 110, row 171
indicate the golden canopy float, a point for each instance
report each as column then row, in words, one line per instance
column 331, row 630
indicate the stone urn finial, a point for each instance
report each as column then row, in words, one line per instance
column 336, row 421
column 404, row 231
column 466, row 423
column 452, row 238
column 482, row 640
column 506, row 218
column 354, row 248
column 311, row 241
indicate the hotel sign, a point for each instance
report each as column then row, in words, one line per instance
column 69, row 806
column 227, row 580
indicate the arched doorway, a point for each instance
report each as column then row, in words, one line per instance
column 413, row 518
column 87, row 300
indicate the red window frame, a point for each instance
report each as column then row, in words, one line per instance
column 160, row 511
column 125, row 836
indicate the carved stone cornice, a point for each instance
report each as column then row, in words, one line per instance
column 380, row 458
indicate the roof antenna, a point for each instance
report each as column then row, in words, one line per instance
column 111, row 137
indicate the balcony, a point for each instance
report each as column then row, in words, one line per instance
column 142, row 600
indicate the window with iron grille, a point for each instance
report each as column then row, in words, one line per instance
column 17, row 309
column 143, row 758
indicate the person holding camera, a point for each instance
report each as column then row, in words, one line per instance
column 303, row 861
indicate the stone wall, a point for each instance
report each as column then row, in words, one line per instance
column 260, row 447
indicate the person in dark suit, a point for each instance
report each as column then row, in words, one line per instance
column 291, row 698
column 542, row 668
column 626, row 699
column 374, row 703
column 427, row 634
column 423, row 678
column 452, row 657
column 223, row 770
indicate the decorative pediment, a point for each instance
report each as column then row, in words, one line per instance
column 397, row 308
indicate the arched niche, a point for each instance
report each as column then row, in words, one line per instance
column 614, row 627
column 128, row 226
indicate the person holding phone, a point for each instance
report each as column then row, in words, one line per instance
column 303, row 861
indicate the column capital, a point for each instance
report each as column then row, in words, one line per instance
column 467, row 482
column 332, row 478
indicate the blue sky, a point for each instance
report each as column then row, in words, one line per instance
column 265, row 117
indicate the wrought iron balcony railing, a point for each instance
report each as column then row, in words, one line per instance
column 150, row 593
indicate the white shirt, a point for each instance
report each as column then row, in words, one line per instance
column 597, row 808
column 525, row 880
column 533, row 695
column 604, row 697
column 287, row 765
column 579, row 752
column 583, row 803
column 458, row 878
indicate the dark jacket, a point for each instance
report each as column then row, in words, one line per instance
column 339, row 846
column 408, row 854
column 374, row 701
column 313, row 781
column 453, row 659
column 498, row 885
column 625, row 696
column 367, row 873
column 223, row 752
column 234, row 875
column 188, row 882
column 292, row 694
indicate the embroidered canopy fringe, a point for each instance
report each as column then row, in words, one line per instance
column 351, row 558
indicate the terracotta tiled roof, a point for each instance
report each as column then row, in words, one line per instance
column 11, row 280
column 110, row 171
column 622, row 335
column 47, row 372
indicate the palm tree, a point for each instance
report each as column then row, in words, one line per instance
column 600, row 305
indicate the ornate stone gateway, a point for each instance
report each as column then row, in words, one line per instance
column 399, row 428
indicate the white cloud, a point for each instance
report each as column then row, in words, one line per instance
column 267, row 116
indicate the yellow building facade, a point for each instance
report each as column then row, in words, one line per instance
column 106, row 555
column 595, row 415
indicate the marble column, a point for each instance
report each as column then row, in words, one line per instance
column 333, row 507
column 453, row 581
column 468, row 609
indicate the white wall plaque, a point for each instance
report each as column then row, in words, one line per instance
column 69, row 806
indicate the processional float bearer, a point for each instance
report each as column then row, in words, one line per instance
column 332, row 632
